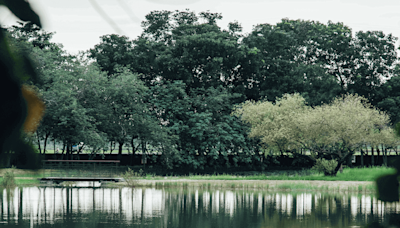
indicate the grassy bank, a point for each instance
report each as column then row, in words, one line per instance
column 349, row 174
column 27, row 177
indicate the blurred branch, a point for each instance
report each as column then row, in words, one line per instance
column 105, row 16
column 128, row 10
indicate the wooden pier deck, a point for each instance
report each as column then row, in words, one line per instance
column 75, row 179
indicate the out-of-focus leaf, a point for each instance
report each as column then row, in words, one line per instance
column 14, row 146
column 22, row 10
column 36, row 109
column 5, row 55
column 11, row 102
column 388, row 188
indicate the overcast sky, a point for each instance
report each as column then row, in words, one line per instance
column 78, row 25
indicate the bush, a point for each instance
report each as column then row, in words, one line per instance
column 131, row 177
column 325, row 166
column 8, row 179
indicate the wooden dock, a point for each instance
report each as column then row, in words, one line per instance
column 95, row 169
column 58, row 180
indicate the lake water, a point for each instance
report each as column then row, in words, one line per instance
column 185, row 207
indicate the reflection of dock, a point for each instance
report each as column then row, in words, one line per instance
column 75, row 179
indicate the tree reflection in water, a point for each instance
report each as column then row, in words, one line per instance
column 149, row 207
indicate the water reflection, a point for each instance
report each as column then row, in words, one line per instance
column 149, row 207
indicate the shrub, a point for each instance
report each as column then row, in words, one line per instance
column 131, row 177
column 8, row 179
column 325, row 166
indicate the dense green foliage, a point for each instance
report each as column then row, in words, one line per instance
column 131, row 177
column 8, row 179
column 327, row 167
column 172, row 90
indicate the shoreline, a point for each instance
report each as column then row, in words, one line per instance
column 285, row 185
column 25, row 178
column 311, row 182
column 363, row 187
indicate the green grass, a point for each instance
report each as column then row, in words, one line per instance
column 21, row 182
column 33, row 175
column 349, row 174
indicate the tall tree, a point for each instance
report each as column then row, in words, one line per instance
column 284, row 58
column 361, row 63
column 112, row 53
column 176, row 46
column 375, row 63
column 271, row 70
column 389, row 98
column 207, row 133
column 122, row 107
column 329, row 46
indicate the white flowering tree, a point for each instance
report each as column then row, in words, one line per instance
column 332, row 130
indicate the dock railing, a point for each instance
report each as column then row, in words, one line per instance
column 80, row 168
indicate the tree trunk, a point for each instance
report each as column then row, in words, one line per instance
column 349, row 162
column 341, row 165
column 78, row 151
column 144, row 154
column 71, row 152
column 80, row 148
column 67, row 152
column 133, row 150
column 384, row 151
column 45, row 143
column 38, row 140
column 372, row 156
column 54, row 146
column 120, row 150
column 362, row 158
column 379, row 154
column 111, row 147
column 341, row 161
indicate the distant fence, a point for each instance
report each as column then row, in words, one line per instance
column 282, row 161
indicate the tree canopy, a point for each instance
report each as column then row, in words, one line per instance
column 172, row 89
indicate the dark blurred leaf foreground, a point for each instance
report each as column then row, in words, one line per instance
column 388, row 185
column 21, row 109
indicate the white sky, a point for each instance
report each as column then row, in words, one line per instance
column 78, row 25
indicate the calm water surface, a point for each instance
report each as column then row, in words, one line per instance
column 150, row 207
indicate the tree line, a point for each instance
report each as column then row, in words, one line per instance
column 174, row 88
